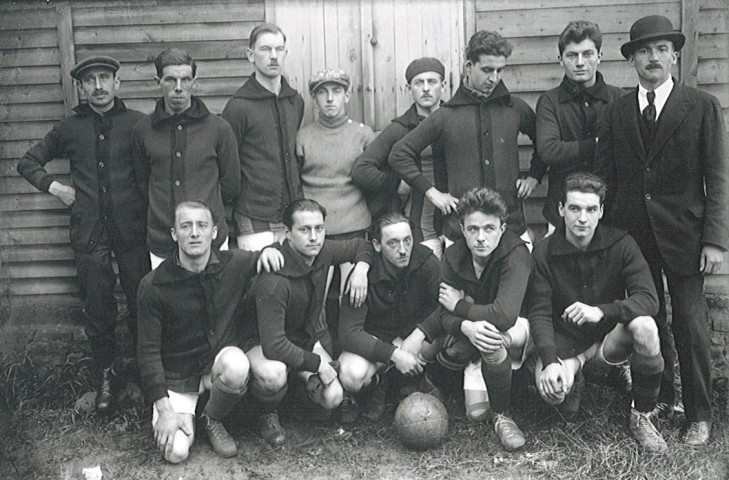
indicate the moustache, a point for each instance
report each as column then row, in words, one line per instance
column 99, row 93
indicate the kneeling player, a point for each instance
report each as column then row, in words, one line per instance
column 402, row 291
column 187, row 335
column 287, row 305
column 484, row 279
column 579, row 309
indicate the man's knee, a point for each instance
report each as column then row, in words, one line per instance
column 271, row 378
column 232, row 367
column 332, row 396
column 496, row 357
column 353, row 372
column 645, row 335
column 180, row 448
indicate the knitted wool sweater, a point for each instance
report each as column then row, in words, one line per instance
column 327, row 150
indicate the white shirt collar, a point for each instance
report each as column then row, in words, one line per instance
column 661, row 92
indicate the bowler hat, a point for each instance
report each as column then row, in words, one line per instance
column 652, row 27
column 330, row 75
column 94, row 61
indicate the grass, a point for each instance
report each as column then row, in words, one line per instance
column 42, row 436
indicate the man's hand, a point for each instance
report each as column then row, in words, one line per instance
column 271, row 260
column 711, row 259
column 554, row 381
column 484, row 336
column 413, row 344
column 445, row 202
column 525, row 187
column 406, row 362
column 449, row 296
column 356, row 286
column 67, row 195
column 580, row 313
column 167, row 425
column 327, row 373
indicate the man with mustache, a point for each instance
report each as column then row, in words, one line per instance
column 569, row 116
column 478, row 130
column 265, row 114
column 291, row 336
column 183, row 152
column 662, row 152
column 372, row 173
column 108, row 213
column 402, row 291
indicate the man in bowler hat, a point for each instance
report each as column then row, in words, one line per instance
column 108, row 213
column 662, row 151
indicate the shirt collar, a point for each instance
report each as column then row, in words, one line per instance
column 661, row 92
column 569, row 90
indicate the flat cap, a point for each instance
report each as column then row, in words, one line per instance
column 94, row 61
column 425, row 64
column 330, row 75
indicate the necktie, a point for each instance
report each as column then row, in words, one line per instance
column 649, row 113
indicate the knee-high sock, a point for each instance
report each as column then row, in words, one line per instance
column 267, row 401
column 222, row 399
column 646, row 373
column 496, row 371
column 442, row 376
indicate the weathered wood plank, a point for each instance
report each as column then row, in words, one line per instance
column 713, row 45
column 34, row 111
column 146, row 52
column 29, row 201
column 495, row 5
column 350, row 53
column 689, row 55
column 30, row 94
column 368, row 67
column 29, row 75
column 43, row 286
column 36, row 270
column 167, row 34
column 551, row 21
column 15, row 150
column 238, row 68
column 32, row 57
column 36, row 253
column 35, row 236
column 24, row 19
column 41, row 218
column 71, row 299
column 208, row 12
column 385, row 68
column 720, row 91
column 713, row 71
column 31, row 38
column 714, row 21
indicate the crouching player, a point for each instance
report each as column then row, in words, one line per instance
column 402, row 291
column 291, row 335
column 591, row 297
column 485, row 275
column 187, row 334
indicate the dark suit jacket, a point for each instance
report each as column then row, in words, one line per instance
column 683, row 179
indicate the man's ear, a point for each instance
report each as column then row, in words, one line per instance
column 157, row 80
column 215, row 232
column 602, row 210
column 173, row 233
column 376, row 245
column 560, row 208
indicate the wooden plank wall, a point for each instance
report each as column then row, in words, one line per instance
column 39, row 44
column 373, row 40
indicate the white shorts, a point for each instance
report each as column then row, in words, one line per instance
column 185, row 403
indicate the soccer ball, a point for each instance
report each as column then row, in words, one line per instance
column 421, row 421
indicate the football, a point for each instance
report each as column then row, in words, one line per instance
column 421, row 421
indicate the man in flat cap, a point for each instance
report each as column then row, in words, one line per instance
column 326, row 150
column 372, row 173
column 108, row 213
column 265, row 114
column 182, row 152
column 662, row 151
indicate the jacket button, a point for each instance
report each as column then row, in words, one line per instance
column 647, row 169
column 179, row 127
column 101, row 137
column 101, row 164
column 177, row 183
column 487, row 162
column 647, row 196
column 178, row 154
column 103, row 189
column 211, row 333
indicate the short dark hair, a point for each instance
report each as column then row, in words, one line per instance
column 173, row 56
column 302, row 205
column 482, row 200
column 261, row 29
column 585, row 183
column 487, row 43
column 385, row 221
column 577, row 31
column 196, row 204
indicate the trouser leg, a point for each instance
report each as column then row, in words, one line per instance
column 133, row 265
column 96, row 279
column 690, row 324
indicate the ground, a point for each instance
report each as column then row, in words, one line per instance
column 43, row 436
